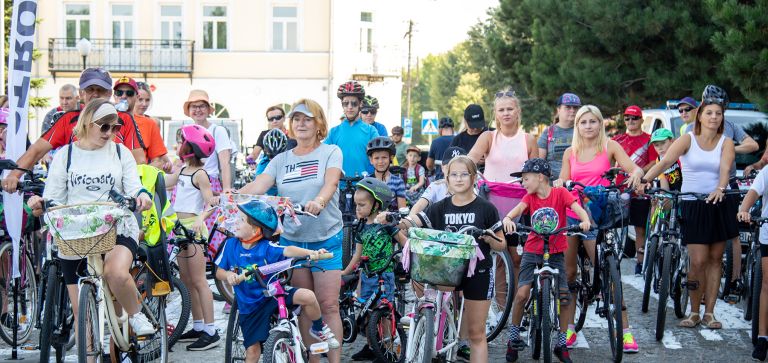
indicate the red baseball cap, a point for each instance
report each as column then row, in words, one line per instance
column 634, row 111
column 126, row 80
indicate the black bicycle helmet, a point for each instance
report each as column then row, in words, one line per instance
column 380, row 143
column 370, row 102
column 714, row 95
column 261, row 214
column 380, row 191
column 351, row 88
column 275, row 142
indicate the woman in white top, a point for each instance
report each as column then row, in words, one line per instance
column 706, row 157
column 85, row 171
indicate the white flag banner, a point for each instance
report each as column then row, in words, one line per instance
column 21, row 44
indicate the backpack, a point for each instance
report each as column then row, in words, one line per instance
column 416, row 170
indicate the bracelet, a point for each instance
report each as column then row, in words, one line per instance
column 320, row 200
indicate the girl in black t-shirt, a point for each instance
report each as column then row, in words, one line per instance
column 461, row 209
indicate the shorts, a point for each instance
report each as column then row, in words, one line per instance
column 478, row 287
column 530, row 261
column 256, row 325
column 639, row 208
column 189, row 223
column 370, row 284
column 73, row 270
column 591, row 235
column 702, row 223
column 332, row 245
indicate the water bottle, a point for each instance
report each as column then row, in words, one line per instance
column 122, row 106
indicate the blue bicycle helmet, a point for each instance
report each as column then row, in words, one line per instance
column 261, row 214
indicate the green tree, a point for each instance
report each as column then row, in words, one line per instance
column 467, row 92
column 35, row 83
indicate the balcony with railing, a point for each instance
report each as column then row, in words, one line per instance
column 144, row 56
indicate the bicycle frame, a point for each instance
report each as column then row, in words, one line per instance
column 285, row 322
column 440, row 302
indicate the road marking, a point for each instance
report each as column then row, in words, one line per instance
column 670, row 341
column 710, row 335
column 581, row 341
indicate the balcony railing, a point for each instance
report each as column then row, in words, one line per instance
column 147, row 56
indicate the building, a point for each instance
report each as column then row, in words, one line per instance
column 248, row 54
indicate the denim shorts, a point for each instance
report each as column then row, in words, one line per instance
column 591, row 235
column 255, row 326
column 369, row 285
column 332, row 245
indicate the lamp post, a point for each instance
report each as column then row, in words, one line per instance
column 84, row 47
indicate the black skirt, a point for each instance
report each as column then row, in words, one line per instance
column 703, row 223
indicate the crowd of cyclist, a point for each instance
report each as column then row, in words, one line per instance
column 93, row 146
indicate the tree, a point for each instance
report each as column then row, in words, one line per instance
column 467, row 92
column 743, row 44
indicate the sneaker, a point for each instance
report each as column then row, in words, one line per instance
column 517, row 344
column 562, row 354
column 760, row 350
column 191, row 335
column 630, row 344
column 364, row 354
column 570, row 338
column 639, row 269
column 227, row 308
column 511, row 354
column 464, row 353
column 325, row 335
column 406, row 320
column 141, row 325
column 205, row 342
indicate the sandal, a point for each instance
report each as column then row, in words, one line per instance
column 711, row 323
column 691, row 321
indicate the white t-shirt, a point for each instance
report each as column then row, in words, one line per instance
column 436, row 191
column 760, row 185
column 221, row 137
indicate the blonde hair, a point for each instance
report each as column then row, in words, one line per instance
column 578, row 143
column 319, row 116
column 86, row 117
column 466, row 161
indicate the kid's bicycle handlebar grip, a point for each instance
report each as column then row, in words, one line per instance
column 322, row 256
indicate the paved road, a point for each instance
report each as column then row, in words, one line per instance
column 732, row 343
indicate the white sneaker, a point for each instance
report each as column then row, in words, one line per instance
column 141, row 325
column 406, row 320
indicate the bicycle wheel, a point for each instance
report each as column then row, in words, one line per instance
column 155, row 346
column 423, row 337
column 223, row 290
column 585, row 278
column 348, row 320
column 234, row 350
column 26, row 295
column 503, row 294
column 613, row 299
column 746, row 301
column 56, row 330
column 725, row 287
column 680, row 292
column 650, row 266
column 387, row 337
column 178, row 307
column 89, row 341
column 534, row 335
column 280, row 348
column 757, row 280
column 664, row 282
column 347, row 243
column 546, row 321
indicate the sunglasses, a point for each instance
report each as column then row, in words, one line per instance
column 510, row 93
column 631, row 118
column 350, row 103
column 275, row 118
column 365, row 112
column 129, row 93
column 106, row 127
column 685, row 109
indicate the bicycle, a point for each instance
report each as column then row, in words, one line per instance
column 348, row 217
column 753, row 278
column 732, row 291
column 284, row 343
column 543, row 317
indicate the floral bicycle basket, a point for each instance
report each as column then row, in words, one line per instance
column 84, row 229
column 229, row 212
column 440, row 258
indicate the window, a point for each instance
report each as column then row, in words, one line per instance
column 366, row 32
column 285, row 32
column 170, row 26
column 122, row 26
column 214, row 27
column 77, row 22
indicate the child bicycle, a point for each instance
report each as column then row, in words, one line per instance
column 284, row 343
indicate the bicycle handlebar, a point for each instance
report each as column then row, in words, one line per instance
column 568, row 229
column 477, row 232
column 280, row 267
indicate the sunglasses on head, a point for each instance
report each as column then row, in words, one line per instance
column 350, row 103
column 509, row 93
column 129, row 93
column 275, row 118
column 685, row 109
column 106, row 127
column 365, row 112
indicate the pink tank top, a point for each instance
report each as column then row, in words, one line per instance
column 589, row 173
column 506, row 156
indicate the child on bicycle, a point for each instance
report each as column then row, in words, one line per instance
column 437, row 190
column 193, row 195
column 380, row 152
column 465, row 208
column 376, row 241
column 251, row 246
column 275, row 142
column 536, row 174
column 672, row 179
column 414, row 176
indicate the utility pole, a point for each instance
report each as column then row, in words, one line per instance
column 409, row 34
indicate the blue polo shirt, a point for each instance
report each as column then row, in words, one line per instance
column 380, row 128
column 352, row 139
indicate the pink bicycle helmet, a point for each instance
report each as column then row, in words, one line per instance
column 200, row 141
column 4, row 112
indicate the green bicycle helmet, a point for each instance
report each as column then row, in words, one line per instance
column 261, row 214
column 370, row 102
column 379, row 189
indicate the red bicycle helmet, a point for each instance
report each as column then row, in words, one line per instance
column 351, row 88
column 199, row 140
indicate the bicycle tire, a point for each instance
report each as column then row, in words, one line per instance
column 680, row 292
column 534, row 335
column 725, row 287
column 56, row 296
column 746, row 300
column 424, row 337
column 88, row 319
column 281, row 340
column 650, row 266
column 664, row 287
column 757, row 281
column 348, row 320
column 234, row 350
column 498, row 314
column 386, row 348
column 586, row 273
column 546, row 321
column 27, row 288
column 180, row 295
column 347, row 244
column 225, row 291
column 613, row 300
column 156, row 347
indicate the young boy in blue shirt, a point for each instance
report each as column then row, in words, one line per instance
column 258, row 222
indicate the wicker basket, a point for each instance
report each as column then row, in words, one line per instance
column 88, row 246
column 84, row 229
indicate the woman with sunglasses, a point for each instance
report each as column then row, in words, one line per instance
column 156, row 152
column 275, row 120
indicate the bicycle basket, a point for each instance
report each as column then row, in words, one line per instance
column 84, row 229
column 608, row 209
column 438, row 257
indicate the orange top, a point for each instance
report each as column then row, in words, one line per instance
column 150, row 134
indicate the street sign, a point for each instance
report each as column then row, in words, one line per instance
column 429, row 123
column 368, row 77
column 408, row 128
column 407, row 122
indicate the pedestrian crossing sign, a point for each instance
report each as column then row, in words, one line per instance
column 429, row 123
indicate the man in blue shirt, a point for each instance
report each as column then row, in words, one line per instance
column 369, row 109
column 439, row 145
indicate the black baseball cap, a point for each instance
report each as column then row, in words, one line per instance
column 474, row 116
column 535, row 165
column 446, row 122
column 451, row 153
